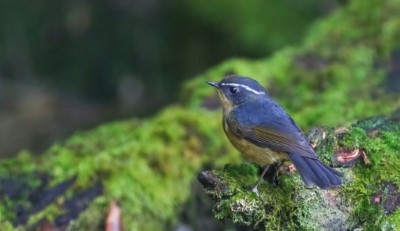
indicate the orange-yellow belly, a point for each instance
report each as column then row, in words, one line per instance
column 262, row 156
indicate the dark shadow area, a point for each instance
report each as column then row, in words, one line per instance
column 72, row 65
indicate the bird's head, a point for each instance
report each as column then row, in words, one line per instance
column 236, row 90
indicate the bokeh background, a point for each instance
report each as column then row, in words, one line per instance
column 68, row 66
column 109, row 101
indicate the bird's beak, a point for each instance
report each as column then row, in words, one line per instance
column 214, row 84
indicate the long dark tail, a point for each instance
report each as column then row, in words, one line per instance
column 314, row 172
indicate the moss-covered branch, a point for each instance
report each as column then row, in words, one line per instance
column 368, row 198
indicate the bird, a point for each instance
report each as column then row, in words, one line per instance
column 266, row 134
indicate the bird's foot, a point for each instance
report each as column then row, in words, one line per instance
column 255, row 190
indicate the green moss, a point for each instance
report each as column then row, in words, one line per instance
column 236, row 201
column 7, row 226
column 146, row 183
column 322, row 210
column 392, row 222
column 331, row 79
column 292, row 206
column 324, row 139
column 140, row 163
column 312, row 81
column 92, row 219
column 49, row 214
column 382, row 150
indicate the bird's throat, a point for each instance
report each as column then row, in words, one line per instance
column 227, row 105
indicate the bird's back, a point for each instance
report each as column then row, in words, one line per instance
column 275, row 131
column 267, row 115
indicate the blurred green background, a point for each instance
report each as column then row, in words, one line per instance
column 67, row 67
column 71, row 65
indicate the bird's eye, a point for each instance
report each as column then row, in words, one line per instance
column 233, row 90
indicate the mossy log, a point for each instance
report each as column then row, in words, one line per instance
column 344, row 70
column 366, row 152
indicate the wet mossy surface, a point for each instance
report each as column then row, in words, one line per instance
column 368, row 198
column 343, row 72
column 139, row 163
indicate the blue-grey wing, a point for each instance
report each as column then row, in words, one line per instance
column 272, row 128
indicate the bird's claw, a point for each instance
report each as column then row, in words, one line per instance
column 255, row 190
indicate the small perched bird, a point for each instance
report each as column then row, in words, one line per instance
column 265, row 133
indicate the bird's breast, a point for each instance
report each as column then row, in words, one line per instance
column 252, row 152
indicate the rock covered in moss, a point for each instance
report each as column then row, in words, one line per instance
column 290, row 205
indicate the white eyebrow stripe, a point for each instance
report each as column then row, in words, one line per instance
column 245, row 87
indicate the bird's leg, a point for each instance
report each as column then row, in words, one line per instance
column 276, row 172
column 255, row 188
